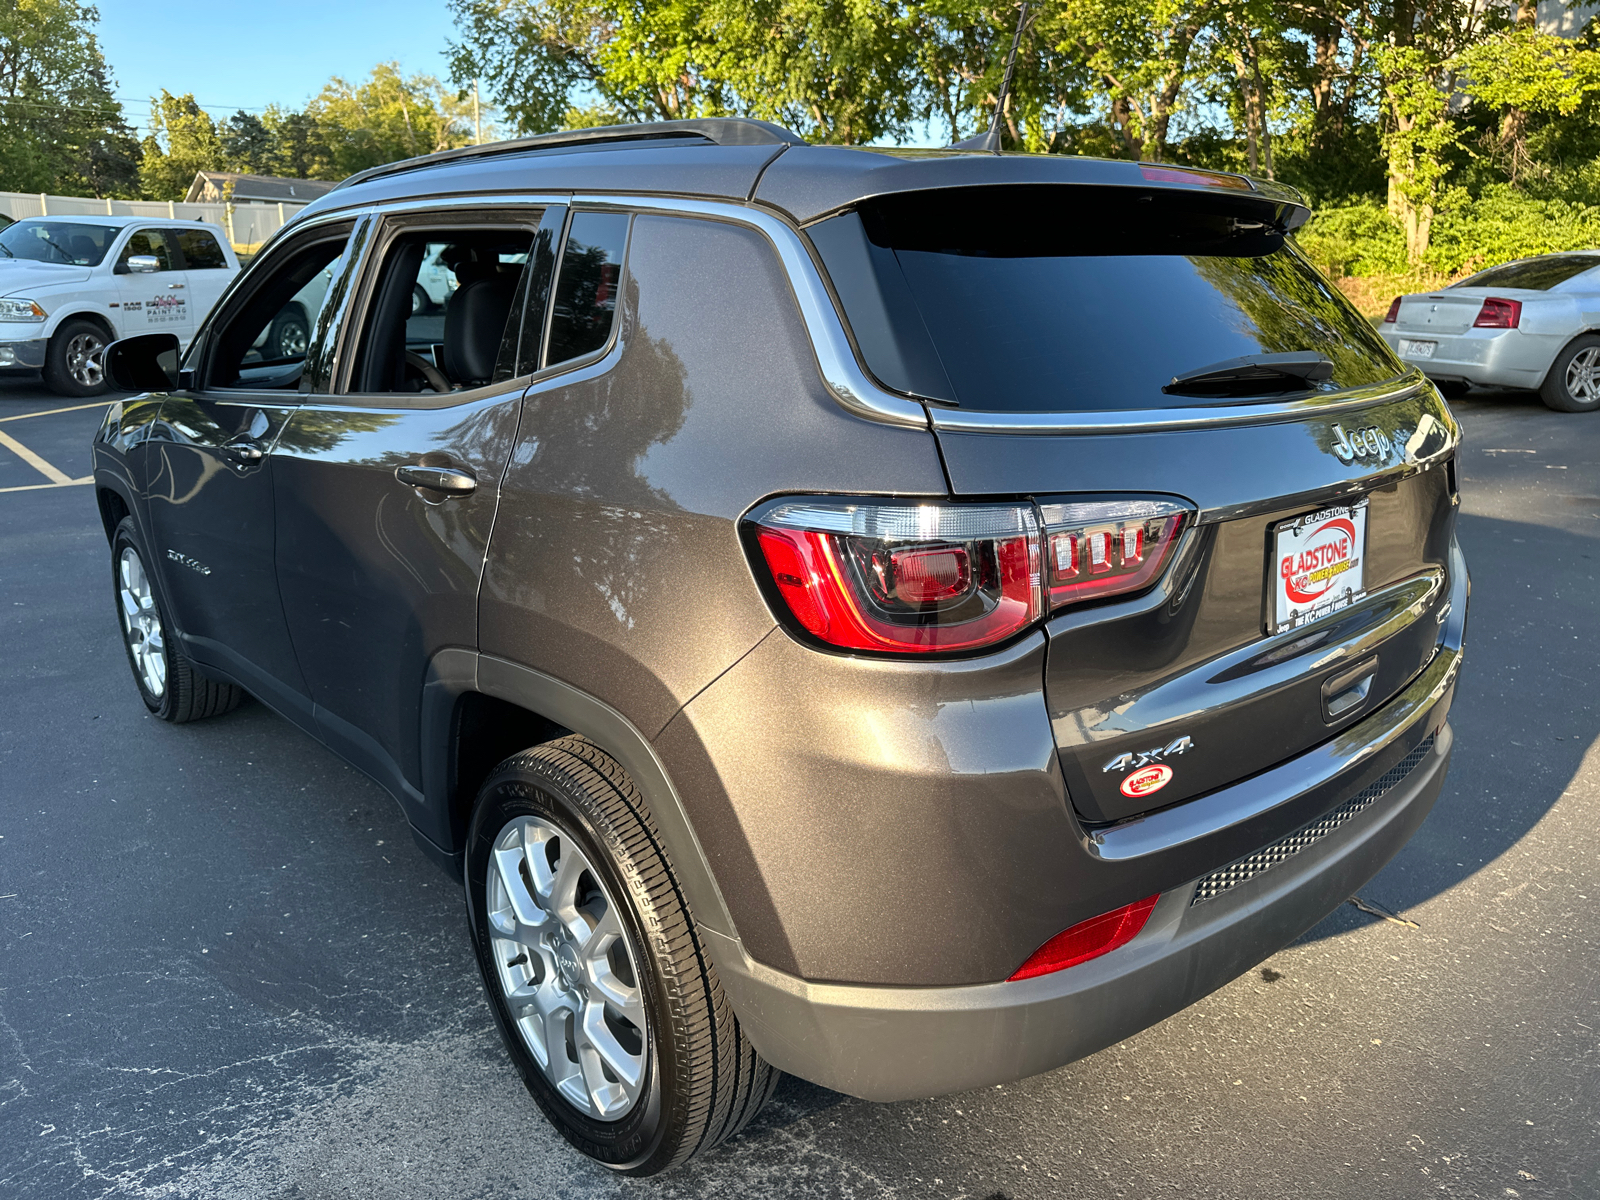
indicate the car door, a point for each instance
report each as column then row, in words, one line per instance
column 211, row 476
column 205, row 269
column 387, row 484
column 153, row 298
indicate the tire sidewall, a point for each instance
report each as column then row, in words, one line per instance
column 1555, row 392
column 289, row 320
column 56, row 375
column 127, row 535
column 628, row 1143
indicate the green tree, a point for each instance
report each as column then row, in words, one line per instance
column 183, row 139
column 61, row 127
column 388, row 117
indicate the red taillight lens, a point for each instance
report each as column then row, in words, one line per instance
column 1107, row 548
column 1393, row 314
column 1088, row 939
column 1499, row 314
column 907, row 578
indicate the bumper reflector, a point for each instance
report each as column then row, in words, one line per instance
column 1087, row 939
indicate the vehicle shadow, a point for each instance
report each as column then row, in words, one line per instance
column 1523, row 715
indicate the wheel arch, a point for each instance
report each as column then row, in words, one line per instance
column 86, row 314
column 113, row 507
column 479, row 709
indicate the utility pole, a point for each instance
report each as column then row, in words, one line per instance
column 477, row 117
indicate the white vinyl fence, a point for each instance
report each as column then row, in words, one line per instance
column 247, row 225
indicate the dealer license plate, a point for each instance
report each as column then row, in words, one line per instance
column 1318, row 562
column 1410, row 349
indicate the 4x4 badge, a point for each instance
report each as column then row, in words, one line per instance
column 1125, row 762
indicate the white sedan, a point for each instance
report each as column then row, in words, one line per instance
column 1534, row 323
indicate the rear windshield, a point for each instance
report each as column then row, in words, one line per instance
column 1047, row 299
column 1538, row 274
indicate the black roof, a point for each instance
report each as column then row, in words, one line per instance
column 743, row 160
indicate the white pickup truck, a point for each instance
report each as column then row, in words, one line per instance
column 71, row 285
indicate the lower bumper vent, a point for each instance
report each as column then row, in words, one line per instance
column 1285, row 848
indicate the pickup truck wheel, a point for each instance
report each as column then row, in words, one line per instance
column 605, row 998
column 72, row 361
column 1573, row 384
column 289, row 337
column 168, row 682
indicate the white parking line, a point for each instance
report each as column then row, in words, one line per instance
column 33, row 460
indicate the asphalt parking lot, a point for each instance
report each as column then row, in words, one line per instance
column 226, row 973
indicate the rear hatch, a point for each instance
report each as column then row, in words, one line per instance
column 1121, row 355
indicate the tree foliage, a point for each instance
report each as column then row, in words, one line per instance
column 61, row 128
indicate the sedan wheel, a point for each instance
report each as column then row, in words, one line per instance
column 565, row 969
column 141, row 623
column 1573, row 384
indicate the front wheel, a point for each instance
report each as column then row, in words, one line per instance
column 73, row 363
column 1573, row 384
column 604, row 996
column 169, row 684
column 289, row 337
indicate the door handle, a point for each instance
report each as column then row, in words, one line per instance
column 174, row 285
column 245, row 450
column 447, row 481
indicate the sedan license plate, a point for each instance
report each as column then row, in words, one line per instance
column 1318, row 561
column 1410, row 349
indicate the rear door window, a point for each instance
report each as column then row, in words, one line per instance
column 1049, row 299
column 587, row 282
column 200, row 250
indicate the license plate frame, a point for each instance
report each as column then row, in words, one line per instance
column 1415, row 348
column 1316, row 565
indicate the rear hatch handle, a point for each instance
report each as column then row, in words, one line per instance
column 1254, row 375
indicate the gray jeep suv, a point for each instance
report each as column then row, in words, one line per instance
column 905, row 619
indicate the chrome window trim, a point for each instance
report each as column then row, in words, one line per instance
column 848, row 380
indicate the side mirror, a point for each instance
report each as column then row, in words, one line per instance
column 139, row 264
column 146, row 363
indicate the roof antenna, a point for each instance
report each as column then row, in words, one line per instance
column 990, row 142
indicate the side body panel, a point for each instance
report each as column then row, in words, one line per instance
column 212, row 532
column 616, row 563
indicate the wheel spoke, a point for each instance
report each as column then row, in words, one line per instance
column 629, row 1068
column 529, row 916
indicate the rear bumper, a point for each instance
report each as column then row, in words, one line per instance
column 896, row 1043
column 1491, row 357
column 903, row 1043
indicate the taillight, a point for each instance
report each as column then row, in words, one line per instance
column 1499, row 314
column 917, row 578
column 1107, row 547
column 1087, row 939
column 1393, row 314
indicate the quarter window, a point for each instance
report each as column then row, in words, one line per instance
column 153, row 242
column 200, row 250
column 587, row 285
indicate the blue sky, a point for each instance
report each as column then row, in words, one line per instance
column 235, row 55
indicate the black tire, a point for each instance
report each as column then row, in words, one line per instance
column 702, row 1081
column 1574, row 386
column 169, row 684
column 421, row 302
column 73, row 361
column 290, row 336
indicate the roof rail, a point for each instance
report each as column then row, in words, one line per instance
column 720, row 131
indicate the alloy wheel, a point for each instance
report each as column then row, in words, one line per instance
column 565, row 968
column 141, row 623
column 84, row 363
column 292, row 340
column 1583, row 375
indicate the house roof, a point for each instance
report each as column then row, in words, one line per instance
column 269, row 188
